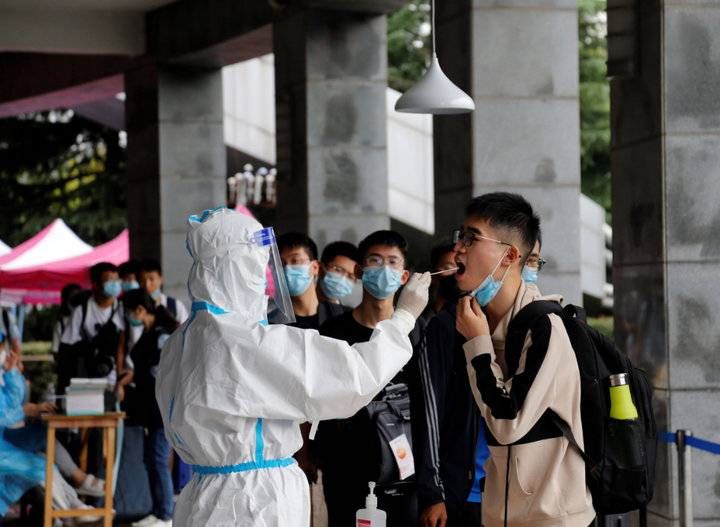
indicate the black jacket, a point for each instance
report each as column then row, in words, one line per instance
column 326, row 311
column 445, row 436
column 142, row 407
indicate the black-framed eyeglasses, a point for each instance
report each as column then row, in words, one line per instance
column 375, row 260
column 332, row 268
column 535, row 262
column 468, row 237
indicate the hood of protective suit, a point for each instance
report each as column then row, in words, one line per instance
column 229, row 269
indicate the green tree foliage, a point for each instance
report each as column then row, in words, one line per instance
column 408, row 44
column 59, row 165
column 594, row 102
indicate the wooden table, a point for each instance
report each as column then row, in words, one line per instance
column 109, row 423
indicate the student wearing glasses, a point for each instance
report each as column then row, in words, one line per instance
column 533, row 265
column 337, row 272
column 348, row 449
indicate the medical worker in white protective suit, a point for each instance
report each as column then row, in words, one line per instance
column 232, row 391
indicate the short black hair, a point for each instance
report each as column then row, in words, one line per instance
column 509, row 211
column 438, row 251
column 138, row 297
column 339, row 248
column 97, row 270
column 293, row 240
column 389, row 238
column 148, row 265
column 129, row 267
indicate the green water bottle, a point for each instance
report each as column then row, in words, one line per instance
column 621, row 403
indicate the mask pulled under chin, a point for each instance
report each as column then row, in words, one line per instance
column 490, row 287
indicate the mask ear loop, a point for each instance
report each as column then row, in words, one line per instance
column 492, row 274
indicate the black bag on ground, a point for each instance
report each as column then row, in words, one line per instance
column 132, row 493
column 619, row 454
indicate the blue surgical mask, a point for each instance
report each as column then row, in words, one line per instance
column 529, row 275
column 298, row 278
column 335, row 285
column 134, row 322
column 156, row 294
column 489, row 287
column 129, row 286
column 112, row 288
column 381, row 282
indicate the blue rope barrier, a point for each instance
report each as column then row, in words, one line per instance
column 700, row 444
column 703, row 444
column 666, row 437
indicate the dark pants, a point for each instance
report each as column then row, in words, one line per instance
column 466, row 515
column 157, row 454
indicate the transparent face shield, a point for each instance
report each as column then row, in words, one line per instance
column 279, row 303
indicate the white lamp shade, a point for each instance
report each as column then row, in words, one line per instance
column 435, row 94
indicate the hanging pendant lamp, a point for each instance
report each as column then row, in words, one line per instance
column 434, row 93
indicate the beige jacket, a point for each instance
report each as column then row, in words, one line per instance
column 546, row 475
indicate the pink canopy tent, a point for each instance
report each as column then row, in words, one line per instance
column 41, row 283
column 4, row 249
column 55, row 242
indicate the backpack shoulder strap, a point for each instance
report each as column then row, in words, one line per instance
column 6, row 323
column 172, row 306
column 521, row 324
column 83, row 331
column 568, row 434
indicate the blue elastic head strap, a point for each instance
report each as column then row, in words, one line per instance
column 204, row 215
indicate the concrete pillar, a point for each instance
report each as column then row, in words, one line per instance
column 176, row 161
column 665, row 98
column 519, row 61
column 330, row 81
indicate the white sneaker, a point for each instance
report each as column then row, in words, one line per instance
column 92, row 486
column 86, row 519
column 147, row 521
column 162, row 523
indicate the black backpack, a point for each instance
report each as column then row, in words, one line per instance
column 619, row 454
column 389, row 417
column 92, row 357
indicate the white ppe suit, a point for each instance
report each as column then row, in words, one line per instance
column 233, row 391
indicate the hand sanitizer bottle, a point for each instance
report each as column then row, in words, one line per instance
column 371, row 516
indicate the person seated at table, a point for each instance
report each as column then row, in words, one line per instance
column 32, row 437
column 21, row 470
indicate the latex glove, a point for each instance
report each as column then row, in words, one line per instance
column 415, row 294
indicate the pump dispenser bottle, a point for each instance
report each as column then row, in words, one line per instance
column 371, row 516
